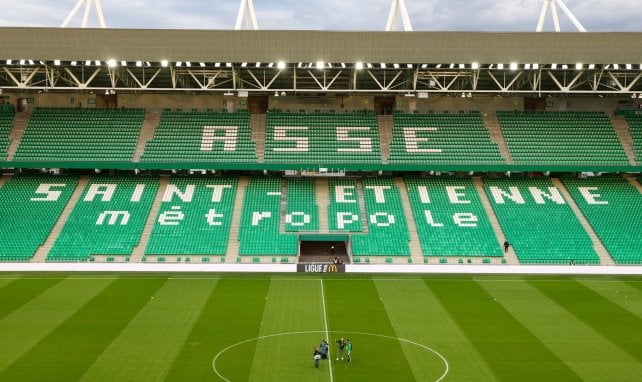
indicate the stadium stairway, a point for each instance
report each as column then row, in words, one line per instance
column 623, row 132
column 20, row 122
column 139, row 250
column 414, row 244
column 321, row 189
column 362, row 208
column 233, row 239
column 258, row 123
column 635, row 184
column 510, row 256
column 42, row 252
column 605, row 258
column 386, row 124
column 150, row 122
column 494, row 130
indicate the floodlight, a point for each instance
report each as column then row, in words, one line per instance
column 228, row 64
column 244, row 65
column 383, row 65
column 462, row 66
column 475, row 65
column 535, row 66
column 271, row 64
column 424, row 66
column 57, row 62
column 30, row 62
column 343, row 65
column 396, row 66
column 616, row 66
column 579, row 66
column 202, row 64
column 527, row 66
column 359, row 65
column 500, row 66
column 463, row 95
column 217, row 65
column 369, row 65
column 320, row 65
column 438, row 66
column 513, row 66
column 179, row 64
column 280, row 65
column 123, row 63
column 97, row 62
column 469, row 95
column 257, row 65
column 9, row 62
column 629, row 66
column 330, row 65
column 74, row 63
column 300, row 65
column 633, row 95
column 87, row 63
column 22, row 62
column 409, row 66
column 188, row 64
column 452, row 66
column 164, row 63
column 276, row 94
column 591, row 66
column 553, row 66
column 564, row 66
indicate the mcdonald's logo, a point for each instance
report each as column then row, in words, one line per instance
column 321, row 268
column 332, row 268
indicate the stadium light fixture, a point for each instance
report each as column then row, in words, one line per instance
column 139, row 64
column 228, row 64
column 97, row 62
column 23, row 61
column 188, row 64
column 280, row 65
column 629, row 66
column 579, row 66
column 202, row 64
column 396, row 66
column 179, row 64
column 9, row 62
column 123, row 63
column 469, row 95
column 438, row 66
column 564, row 66
column 149, row 64
column 271, row 64
column 359, row 65
column 591, row 66
column 463, row 95
column 257, row 65
column 409, row 66
column 616, row 66
column 553, row 66
column 527, row 66
column 474, row 65
column 500, row 66
column 164, row 63
column 217, row 65
column 452, row 66
column 330, row 65
column 243, row 64
column 300, row 65
column 30, row 62
column 424, row 66
column 513, row 66
column 633, row 95
column 57, row 62
column 320, row 65
column 74, row 63
column 382, row 65
column 369, row 65
column 87, row 63
column 535, row 66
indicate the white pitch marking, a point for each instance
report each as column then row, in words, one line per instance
column 327, row 335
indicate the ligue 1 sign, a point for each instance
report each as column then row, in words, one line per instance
column 321, row 268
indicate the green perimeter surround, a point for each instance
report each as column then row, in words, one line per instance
column 476, row 328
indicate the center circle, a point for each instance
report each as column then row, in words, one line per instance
column 424, row 347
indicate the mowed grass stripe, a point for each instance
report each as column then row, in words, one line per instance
column 26, row 326
column 66, row 353
column 622, row 293
column 609, row 319
column 417, row 315
column 291, row 306
column 232, row 314
column 17, row 292
column 147, row 347
column 512, row 351
column 588, row 353
column 355, row 306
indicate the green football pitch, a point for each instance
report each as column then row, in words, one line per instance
column 125, row 327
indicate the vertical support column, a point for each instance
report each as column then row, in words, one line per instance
column 88, row 3
column 398, row 8
column 246, row 11
column 556, row 22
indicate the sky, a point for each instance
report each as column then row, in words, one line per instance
column 368, row 15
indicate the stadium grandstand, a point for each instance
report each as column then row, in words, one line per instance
column 413, row 147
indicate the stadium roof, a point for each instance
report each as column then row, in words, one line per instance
column 311, row 46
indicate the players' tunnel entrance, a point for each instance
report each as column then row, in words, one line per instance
column 323, row 248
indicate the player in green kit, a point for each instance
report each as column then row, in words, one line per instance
column 349, row 349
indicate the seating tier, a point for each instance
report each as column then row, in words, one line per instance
column 194, row 218
column 539, row 223
column 442, row 139
column 613, row 207
column 54, row 134
column 450, row 218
